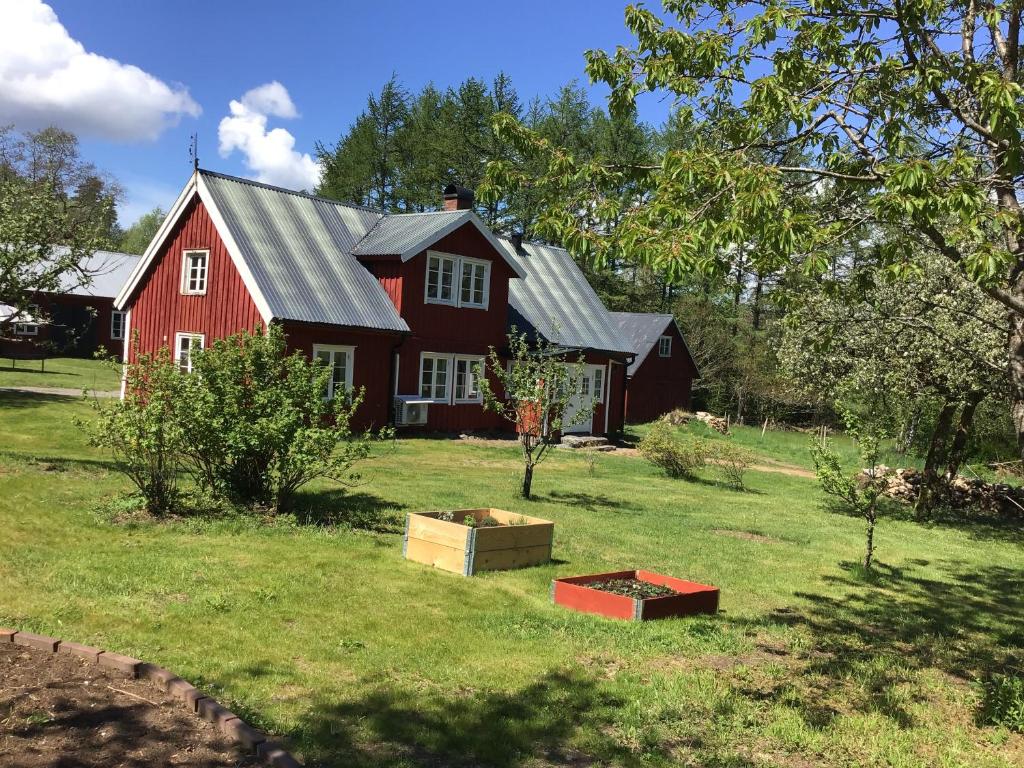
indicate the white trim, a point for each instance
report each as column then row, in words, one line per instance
column 448, row 379
column 350, row 364
column 442, row 258
column 235, row 252
column 480, row 359
column 157, row 242
column 669, row 352
column 451, row 227
column 124, row 324
column 124, row 351
column 464, row 260
column 187, row 255
column 195, row 187
column 178, row 336
column 599, row 397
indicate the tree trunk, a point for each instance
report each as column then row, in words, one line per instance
column 527, row 480
column 937, row 452
column 962, row 434
column 1015, row 366
column 869, row 551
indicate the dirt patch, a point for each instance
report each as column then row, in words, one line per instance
column 746, row 536
column 59, row 711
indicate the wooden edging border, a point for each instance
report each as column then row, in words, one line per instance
column 228, row 723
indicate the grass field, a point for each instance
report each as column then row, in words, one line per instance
column 327, row 637
column 64, row 372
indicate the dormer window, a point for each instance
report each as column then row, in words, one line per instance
column 472, row 288
column 193, row 272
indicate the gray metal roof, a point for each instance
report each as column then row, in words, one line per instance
column 643, row 331
column 299, row 250
column 556, row 300
column 103, row 274
column 396, row 235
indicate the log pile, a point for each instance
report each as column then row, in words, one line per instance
column 964, row 493
column 679, row 416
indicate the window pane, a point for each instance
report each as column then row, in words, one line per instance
column 428, row 377
column 447, row 267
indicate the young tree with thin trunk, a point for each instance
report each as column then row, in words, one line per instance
column 539, row 391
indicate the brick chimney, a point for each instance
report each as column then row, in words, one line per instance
column 458, row 198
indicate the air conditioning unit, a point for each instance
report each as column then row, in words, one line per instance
column 410, row 411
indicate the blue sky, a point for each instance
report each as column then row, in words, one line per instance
column 196, row 57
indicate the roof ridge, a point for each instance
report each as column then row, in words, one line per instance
column 286, row 191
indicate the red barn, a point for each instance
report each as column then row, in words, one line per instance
column 660, row 378
column 80, row 318
column 404, row 305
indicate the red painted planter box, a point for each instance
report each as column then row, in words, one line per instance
column 573, row 592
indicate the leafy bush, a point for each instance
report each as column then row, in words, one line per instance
column 677, row 458
column 733, row 461
column 259, row 425
column 1003, row 702
column 143, row 431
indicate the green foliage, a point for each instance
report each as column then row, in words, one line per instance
column 676, row 457
column 538, row 392
column 259, row 425
column 143, row 432
column 732, row 460
column 469, row 521
column 137, row 237
column 1003, row 702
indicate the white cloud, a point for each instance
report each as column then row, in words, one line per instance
column 270, row 154
column 48, row 78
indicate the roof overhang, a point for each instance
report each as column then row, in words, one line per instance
column 483, row 229
column 195, row 187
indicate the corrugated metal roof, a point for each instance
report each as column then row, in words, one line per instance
column 556, row 300
column 102, row 274
column 299, row 250
column 397, row 234
column 642, row 330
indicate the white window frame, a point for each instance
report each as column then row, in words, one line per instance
column 457, row 265
column 456, row 279
column 186, row 270
column 472, row 360
column 466, row 261
column 665, row 346
column 449, row 375
column 598, row 371
column 114, row 314
column 193, row 337
column 29, row 329
column 350, row 364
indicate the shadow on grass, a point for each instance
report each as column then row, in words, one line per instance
column 873, row 632
column 979, row 524
column 339, row 507
column 589, row 501
column 56, row 463
column 414, row 727
column 14, row 399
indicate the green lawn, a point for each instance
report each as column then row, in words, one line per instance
column 355, row 657
column 66, row 372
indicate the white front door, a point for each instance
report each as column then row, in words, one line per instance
column 582, row 401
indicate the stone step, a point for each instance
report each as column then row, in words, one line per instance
column 583, row 441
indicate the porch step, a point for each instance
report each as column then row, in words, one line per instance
column 585, row 441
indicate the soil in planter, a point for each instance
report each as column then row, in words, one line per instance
column 641, row 590
column 59, row 710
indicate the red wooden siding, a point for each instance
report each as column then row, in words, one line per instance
column 83, row 320
column 372, row 364
column 661, row 384
column 159, row 310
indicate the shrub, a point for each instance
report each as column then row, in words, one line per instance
column 733, row 461
column 677, row 458
column 259, row 425
column 1003, row 702
column 142, row 431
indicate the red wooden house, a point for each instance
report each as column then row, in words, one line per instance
column 79, row 318
column 405, row 305
column 660, row 378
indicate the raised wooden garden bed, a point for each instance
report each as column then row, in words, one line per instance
column 677, row 597
column 516, row 541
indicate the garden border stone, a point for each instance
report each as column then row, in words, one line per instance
column 227, row 722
